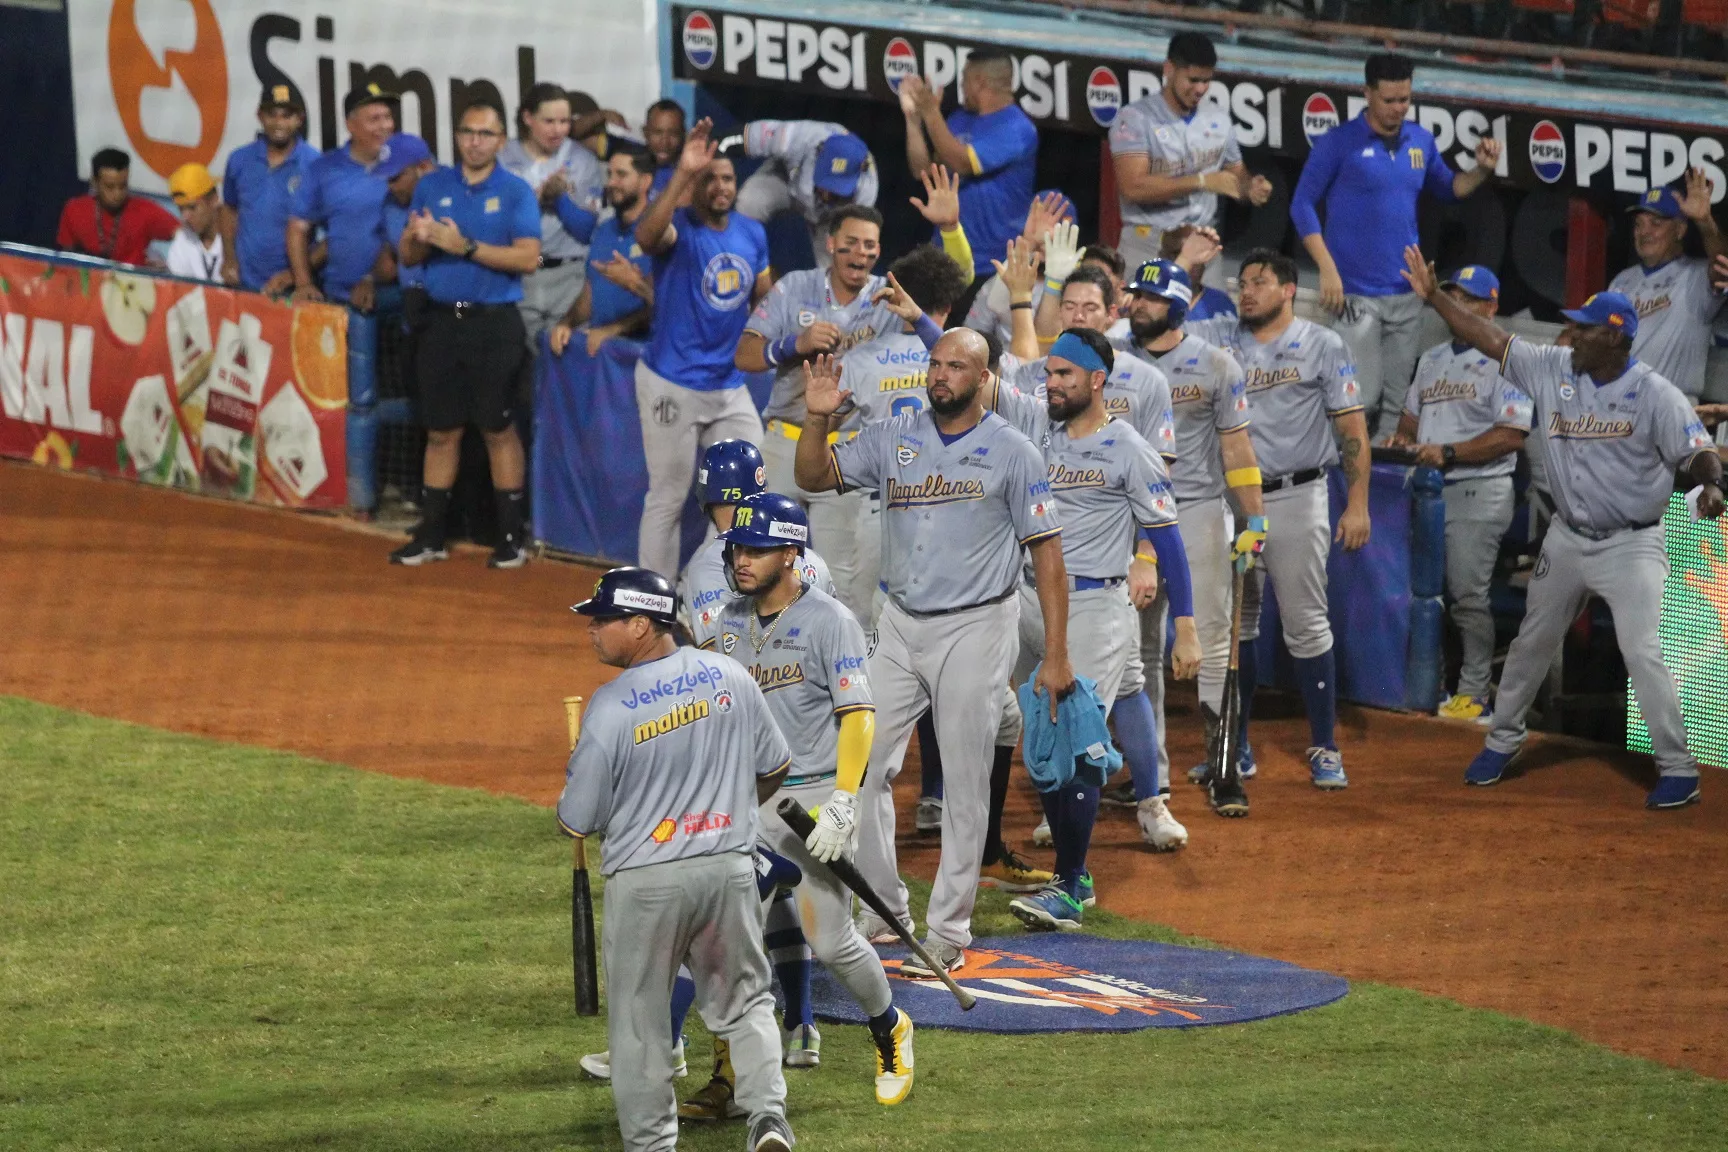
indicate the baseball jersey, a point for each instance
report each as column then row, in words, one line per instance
column 1134, row 391
column 1107, row 483
column 702, row 289
column 1297, row 382
column 703, row 587
column 810, row 669
column 955, row 513
column 607, row 302
column 886, row 378
column 994, row 196
column 800, row 299
column 1175, row 145
column 587, row 177
column 1208, row 396
column 667, row 764
column 1611, row 450
column 794, row 142
column 1675, row 308
column 262, row 198
column 1458, row 394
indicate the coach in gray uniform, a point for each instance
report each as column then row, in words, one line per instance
column 962, row 493
column 1671, row 290
column 811, row 167
column 1615, row 432
column 1470, row 421
column 675, row 755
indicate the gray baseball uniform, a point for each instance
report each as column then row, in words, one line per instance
column 548, row 292
column 1457, row 395
column 955, row 517
column 1175, row 146
column 666, row 771
column 1135, row 391
column 1612, row 451
column 809, row 663
column 1675, row 308
column 786, row 179
column 703, row 588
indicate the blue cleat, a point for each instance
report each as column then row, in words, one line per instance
column 1086, row 894
column 1326, row 769
column 1488, row 767
column 1673, row 792
column 1050, row 910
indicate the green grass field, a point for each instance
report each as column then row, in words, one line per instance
column 206, row 946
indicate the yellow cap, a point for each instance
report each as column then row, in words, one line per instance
column 189, row 183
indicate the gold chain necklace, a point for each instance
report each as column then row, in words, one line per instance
column 773, row 624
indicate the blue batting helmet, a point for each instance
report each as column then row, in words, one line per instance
column 731, row 470
column 631, row 592
column 769, row 520
column 1166, row 280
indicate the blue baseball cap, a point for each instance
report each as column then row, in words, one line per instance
column 1610, row 309
column 401, row 152
column 1659, row 202
column 840, row 161
column 1474, row 280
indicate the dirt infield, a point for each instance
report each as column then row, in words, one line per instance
column 1554, row 897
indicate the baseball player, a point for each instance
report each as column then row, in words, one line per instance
column 1671, row 290
column 1299, row 378
column 962, row 493
column 1214, row 456
column 1109, row 480
column 676, row 753
column 710, row 268
column 811, row 167
column 1462, row 416
column 807, row 653
column 1615, row 432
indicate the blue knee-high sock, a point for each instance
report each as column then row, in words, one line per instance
column 929, row 758
column 683, row 995
column 1247, row 679
column 1137, row 733
column 783, row 940
column 1318, row 677
column 1076, row 812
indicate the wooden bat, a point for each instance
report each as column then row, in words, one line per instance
column 584, row 969
column 1228, row 766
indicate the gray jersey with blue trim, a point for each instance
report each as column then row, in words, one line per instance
column 1458, row 395
column 1175, row 146
column 798, row 300
column 1676, row 305
column 1208, row 397
column 1134, row 391
column 702, row 588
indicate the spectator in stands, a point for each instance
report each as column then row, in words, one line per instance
column 1368, row 175
column 344, row 192
column 258, row 188
column 1208, row 302
column 989, row 140
column 1173, row 159
column 663, row 130
column 569, row 182
column 110, row 222
column 1676, row 304
column 618, row 297
column 810, row 166
column 196, row 250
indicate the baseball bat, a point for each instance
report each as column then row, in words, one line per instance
column 584, row 970
column 799, row 821
column 1230, row 712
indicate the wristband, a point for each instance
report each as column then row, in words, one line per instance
column 1149, row 557
column 780, row 350
column 1052, row 285
column 1026, row 304
column 1243, row 477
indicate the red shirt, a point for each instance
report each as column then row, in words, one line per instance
column 85, row 227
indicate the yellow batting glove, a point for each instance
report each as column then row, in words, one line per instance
column 1250, row 542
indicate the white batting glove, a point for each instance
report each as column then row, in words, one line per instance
column 836, row 830
column 1061, row 251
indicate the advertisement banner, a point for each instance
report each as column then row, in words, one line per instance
column 1084, row 93
column 183, row 385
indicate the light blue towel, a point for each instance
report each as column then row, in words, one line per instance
column 1077, row 743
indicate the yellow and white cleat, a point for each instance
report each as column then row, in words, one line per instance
column 894, row 1062
column 1462, row 707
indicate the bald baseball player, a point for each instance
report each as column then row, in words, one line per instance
column 963, row 493
column 1671, row 290
column 1463, row 417
column 675, row 755
column 1615, row 432
column 807, row 653
column 1301, row 388
column 1110, row 482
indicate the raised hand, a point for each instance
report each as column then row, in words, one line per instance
column 1045, row 213
column 1061, row 251
column 941, row 203
column 823, row 395
column 1019, row 271
column 898, row 301
column 1259, row 190
column 1418, row 272
column 1696, row 203
column 1200, row 249
column 1488, row 154
column 699, row 150
column 908, row 94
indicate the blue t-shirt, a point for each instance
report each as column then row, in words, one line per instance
column 995, row 195
column 499, row 210
column 609, row 303
column 347, row 198
column 1370, row 193
column 262, row 198
column 395, row 223
column 662, row 177
column 702, row 290
column 1211, row 303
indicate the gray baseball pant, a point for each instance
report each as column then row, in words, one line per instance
column 1478, row 512
column 1384, row 334
column 1298, row 542
column 1205, row 527
column 548, row 294
column 1101, row 640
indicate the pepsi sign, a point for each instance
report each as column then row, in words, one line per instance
column 701, row 40
column 1547, row 151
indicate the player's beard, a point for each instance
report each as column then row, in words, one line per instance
column 1062, row 411
column 1146, row 331
column 956, row 403
column 1255, row 323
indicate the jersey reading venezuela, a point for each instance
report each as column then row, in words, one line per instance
column 886, row 378
column 1134, row 391
column 1208, row 397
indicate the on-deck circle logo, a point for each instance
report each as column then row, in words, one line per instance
column 1547, row 151
column 899, row 61
column 701, row 39
column 173, row 104
column 1103, row 95
column 1319, row 116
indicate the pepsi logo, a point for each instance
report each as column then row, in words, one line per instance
column 701, row 39
column 1547, row 151
column 1103, row 95
column 899, row 61
column 1319, row 116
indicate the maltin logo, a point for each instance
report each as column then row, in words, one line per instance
column 172, row 97
column 1547, row 151
column 701, row 39
column 1103, row 95
column 899, row 61
column 1319, row 116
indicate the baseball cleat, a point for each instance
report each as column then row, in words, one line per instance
column 1041, row 837
column 928, row 818
column 415, row 554
column 1246, row 768
column 894, row 1062
column 714, row 1100
column 1673, row 792
column 599, row 1064
column 1049, row 910
column 1119, row 795
column 1158, row 828
column 1488, row 767
column 1462, row 707
column 876, row 930
column 1227, row 797
column 951, row 956
column 1012, row 874
column 1326, row 769
column 803, row 1046
column 1197, row 774
column 770, row 1134
column 1087, row 893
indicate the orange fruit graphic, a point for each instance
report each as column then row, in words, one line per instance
column 320, row 344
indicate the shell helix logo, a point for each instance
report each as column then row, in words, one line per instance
column 173, row 96
column 677, row 717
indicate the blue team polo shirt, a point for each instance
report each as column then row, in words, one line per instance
column 262, row 198
column 607, row 302
column 702, row 289
column 995, row 195
column 396, row 223
column 347, row 198
column 499, row 210
column 662, row 177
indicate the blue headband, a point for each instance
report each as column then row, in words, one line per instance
column 1076, row 351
